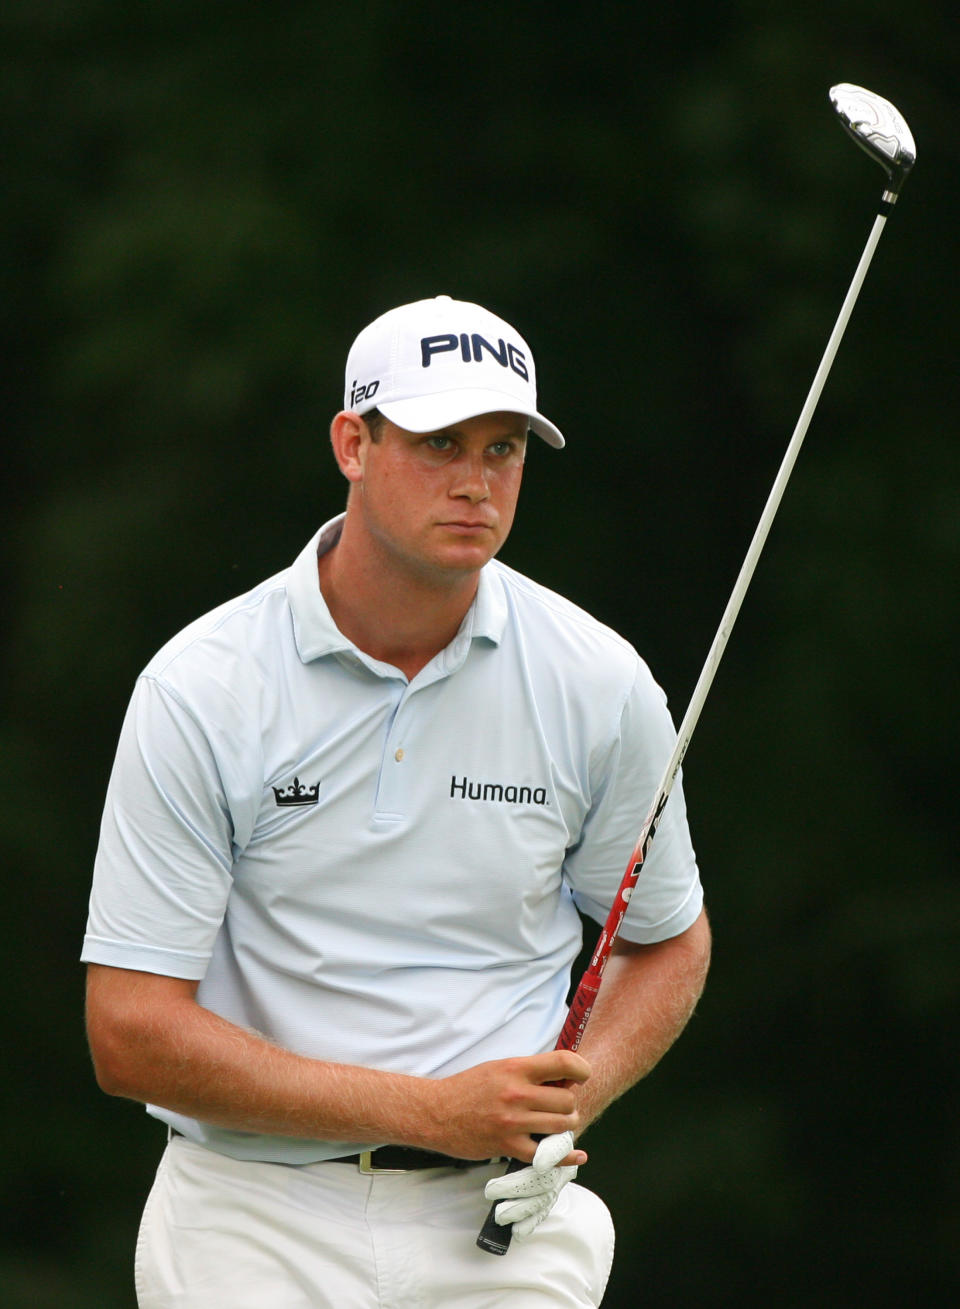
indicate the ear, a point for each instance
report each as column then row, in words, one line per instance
column 350, row 436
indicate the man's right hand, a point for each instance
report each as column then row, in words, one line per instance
column 499, row 1108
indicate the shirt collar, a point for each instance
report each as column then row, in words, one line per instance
column 316, row 633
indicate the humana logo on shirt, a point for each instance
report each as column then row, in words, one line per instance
column 461, row 788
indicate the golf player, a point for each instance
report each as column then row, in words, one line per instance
column 354, row 818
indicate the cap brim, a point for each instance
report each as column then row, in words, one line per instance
column 430, row 413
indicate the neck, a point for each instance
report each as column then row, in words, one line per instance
column 403, row 618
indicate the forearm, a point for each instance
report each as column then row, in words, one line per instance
column 185, row 1058
column 152, row 1042
column 647, row 997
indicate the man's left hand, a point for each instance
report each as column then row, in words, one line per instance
column 530, row 1193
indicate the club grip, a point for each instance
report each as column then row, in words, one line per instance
column 494, row 1237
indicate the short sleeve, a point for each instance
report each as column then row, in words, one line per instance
column 625, row 777
column 163, row 869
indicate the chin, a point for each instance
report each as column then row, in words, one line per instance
column 465, row 559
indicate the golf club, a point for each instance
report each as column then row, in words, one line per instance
column 880, row 130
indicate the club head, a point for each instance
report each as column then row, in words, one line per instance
column 878, row 128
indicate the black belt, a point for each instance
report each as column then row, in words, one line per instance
column 402, row 1159
column 398, row 1159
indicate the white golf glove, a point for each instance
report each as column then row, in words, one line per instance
column 530, row 1193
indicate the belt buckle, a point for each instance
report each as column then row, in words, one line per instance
column 366, row 1165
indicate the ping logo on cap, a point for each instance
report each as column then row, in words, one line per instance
column 471, row 347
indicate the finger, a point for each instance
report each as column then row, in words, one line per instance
column 523, row 1146
column 526, row 1182
column 515, row 1211
column 517, row 1186
column 558, row 1098
column 540, row 1123
column 565, row 1174
column 564, row 1065
column 521, row 1231
column 552, row 1149
column 523, row 1182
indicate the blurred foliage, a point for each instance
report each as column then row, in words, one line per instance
column 202, row 205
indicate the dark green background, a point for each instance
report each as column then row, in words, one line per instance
column 202, row 203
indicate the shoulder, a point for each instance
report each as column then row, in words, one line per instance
column 583, row 674
column 562, row 643
column 242, row 632
column 568, row 628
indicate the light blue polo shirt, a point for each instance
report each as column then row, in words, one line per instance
column 378, row 871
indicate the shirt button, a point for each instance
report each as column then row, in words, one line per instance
column 399, row 755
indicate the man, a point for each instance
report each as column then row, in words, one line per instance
column 352, row 818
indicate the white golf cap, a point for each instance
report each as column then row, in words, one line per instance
column 436, row 362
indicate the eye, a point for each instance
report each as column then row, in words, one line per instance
column 508, row 448
column 439, row 442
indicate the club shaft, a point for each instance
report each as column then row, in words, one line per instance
column 582, row 1002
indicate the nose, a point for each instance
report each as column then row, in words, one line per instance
column 471, row 481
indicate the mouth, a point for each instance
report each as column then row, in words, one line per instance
column 466, row 527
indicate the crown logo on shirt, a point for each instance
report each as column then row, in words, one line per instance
column 297, row 793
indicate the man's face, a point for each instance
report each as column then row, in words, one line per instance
column 442, row 503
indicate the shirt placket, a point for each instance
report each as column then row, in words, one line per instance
column 392, row 788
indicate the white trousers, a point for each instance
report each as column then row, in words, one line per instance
column 220, row 1233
